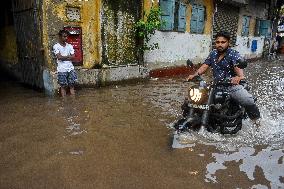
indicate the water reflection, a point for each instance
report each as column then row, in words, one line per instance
column 74, row 118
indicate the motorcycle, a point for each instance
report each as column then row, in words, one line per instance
column 211, row 106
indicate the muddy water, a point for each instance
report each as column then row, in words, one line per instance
column 120, row 137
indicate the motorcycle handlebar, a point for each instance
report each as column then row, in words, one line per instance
column 226, row 81
column 223, row 82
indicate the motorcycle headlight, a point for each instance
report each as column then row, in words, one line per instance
column 195, row 94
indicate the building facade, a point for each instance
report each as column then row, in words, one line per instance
column 103, row 35
column 191, row 25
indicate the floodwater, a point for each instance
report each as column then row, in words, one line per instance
column 120, row 137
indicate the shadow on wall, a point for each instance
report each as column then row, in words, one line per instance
column 8, row 72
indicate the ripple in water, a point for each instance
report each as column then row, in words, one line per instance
column 267, row 84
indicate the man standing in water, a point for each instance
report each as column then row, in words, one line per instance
column 223, row 61
column 66, row 74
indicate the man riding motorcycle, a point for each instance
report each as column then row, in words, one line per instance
column 223, row 61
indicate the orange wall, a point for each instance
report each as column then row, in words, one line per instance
column 54, row 19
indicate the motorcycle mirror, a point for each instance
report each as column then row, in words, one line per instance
column 189, row 63
column 242, row 63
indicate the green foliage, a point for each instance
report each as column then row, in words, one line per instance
column 145, row 29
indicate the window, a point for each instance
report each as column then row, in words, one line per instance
column 263, row 28
column 246, row 22
column 173, row 15
column 73, row 13
column 197, row 19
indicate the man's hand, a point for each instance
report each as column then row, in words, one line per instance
column 190, row 77
column 240, row 75
column 199, row 72
column 69, row 57
column 236, row 80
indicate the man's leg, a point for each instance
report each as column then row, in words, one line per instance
column 72, row 90
column 242, row 96
column 63, row 91
column 72, row 79
column 62, row 81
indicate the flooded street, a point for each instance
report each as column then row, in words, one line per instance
column 120, row 137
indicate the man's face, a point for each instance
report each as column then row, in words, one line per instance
column 63, row 38
column 222, row 44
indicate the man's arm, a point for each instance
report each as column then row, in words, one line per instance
column 65, row 58
column 200, row 71
column 240, row 75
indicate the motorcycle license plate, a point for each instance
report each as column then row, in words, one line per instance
column 199, row 106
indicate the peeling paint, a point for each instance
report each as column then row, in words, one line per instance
column 176, row 48
column 243, row 45
column 118, row 32
column 209, row 16
column 91, row 32
column 45, row 38
column 55, row 19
